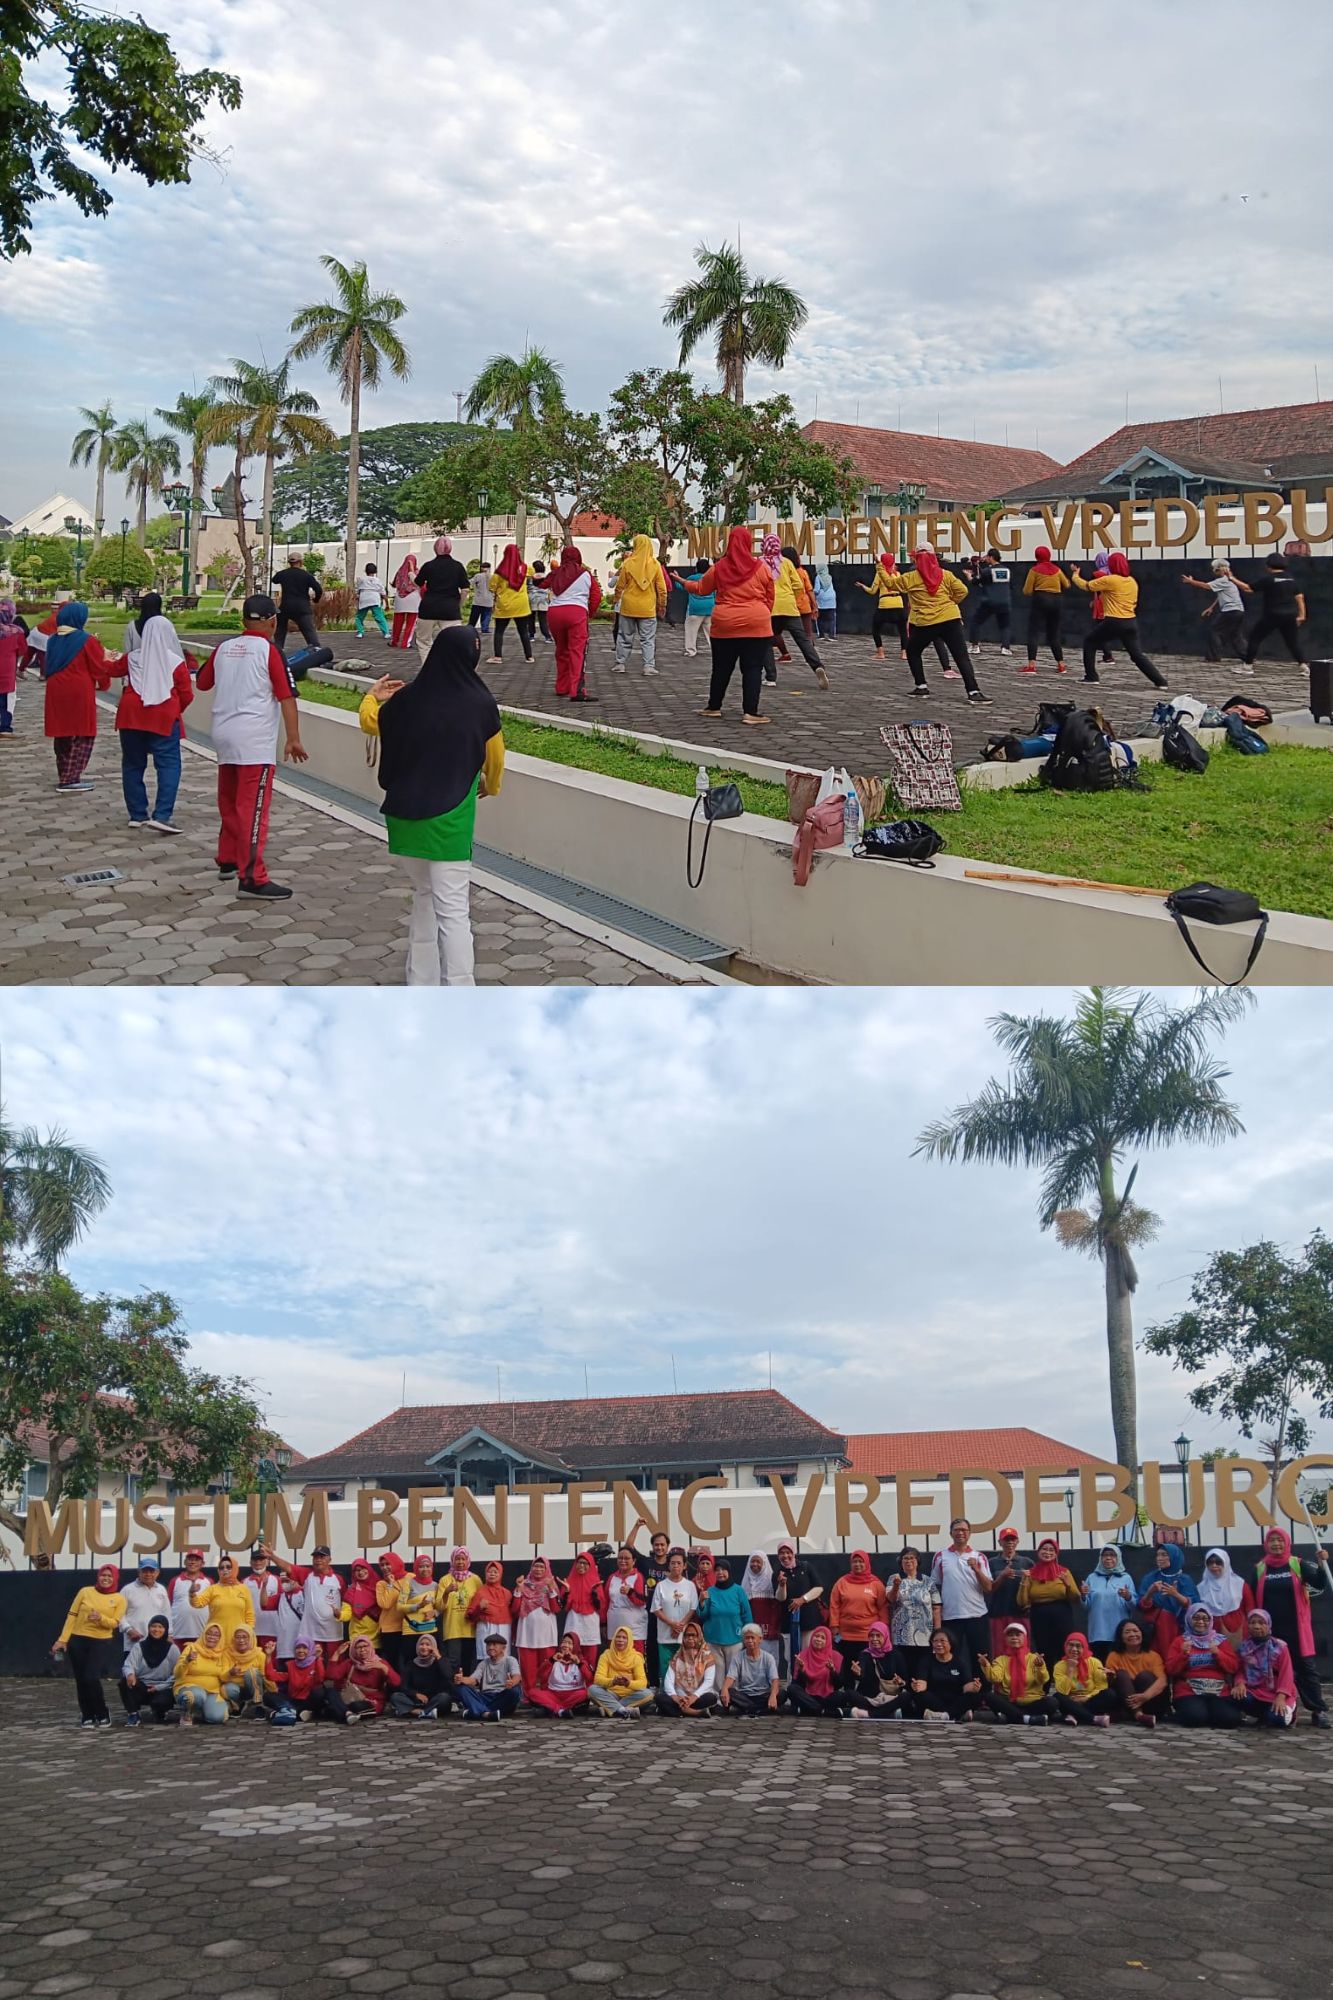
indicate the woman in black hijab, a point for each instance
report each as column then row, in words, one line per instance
column 146, row 1684
column 441, row 749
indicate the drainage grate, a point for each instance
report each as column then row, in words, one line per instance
column 91, row 875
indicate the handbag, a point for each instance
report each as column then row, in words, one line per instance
column 803, row 790
column 1207, row 903
column 909, row 840
column 718, row 802
column 1182, row 751
column 823, row 826
column 921, row 766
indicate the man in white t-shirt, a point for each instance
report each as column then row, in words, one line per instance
column 964, row 1582
column 145, row 1598
column 253, row 688
column 370, row 602
column 1225, row 616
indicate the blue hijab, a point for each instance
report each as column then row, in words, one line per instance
column 1175, row 1576
column 67, row 641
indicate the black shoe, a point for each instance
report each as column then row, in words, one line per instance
column 1091, row 677
column 981, row 700
column 921, row 690
column 226, row 871
column 268, row 892
column 1320, row 1719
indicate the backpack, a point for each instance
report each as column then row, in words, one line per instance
column 1050, row 714
column 1244, row 739
column 909, row 840
column 921, row 766
column 1207, row 903
column 1081, row 759
column 1256, row 713
column 1182, row 751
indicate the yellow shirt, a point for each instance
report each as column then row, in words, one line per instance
column 94, row 1614
column 786, row 590
column 230, row 1604
column 254, row 1662
column 201, row 1668
column 511, row 603
column 623, row 1674
column 454, row 1602
column 390, row 1604
column 1045, row 586
column 364, row 1627
column 492, row 776
column 997, row 1673
column 886, row 590
column 1067, row 1681
column 1119, row 594
column 420, row 1605
column 942, row 608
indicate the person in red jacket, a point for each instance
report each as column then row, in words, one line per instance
column 74, row 668
column 1202, row 1670
column 300, row 1680
column 360, row 1684
column 1227, row 1595
column 563, row 1681
column 158, row 690
column 13, row 653
column 254, row 688
column 575, row 596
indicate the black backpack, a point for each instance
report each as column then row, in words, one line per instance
column 1081, row 759
column 909, row 840
column 1207, row 903
column 1050, row 716
column 1182, row 751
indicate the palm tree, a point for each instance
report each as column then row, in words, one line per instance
column 189, row 418
column 145, row 457
column 750, row 319
column 50, row 1191
column 516, row 391
column 1124, row 1073
column 267, row 418
column 355, row 333
column 95, row 441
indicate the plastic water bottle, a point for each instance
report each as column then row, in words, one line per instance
column 851, row 821
column 701, row 782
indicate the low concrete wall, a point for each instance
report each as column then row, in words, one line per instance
column 856, row 922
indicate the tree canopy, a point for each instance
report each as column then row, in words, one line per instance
column 316, row 491
column 747, row 319
column 123, row 100
column 119, row 564
column 444, row 492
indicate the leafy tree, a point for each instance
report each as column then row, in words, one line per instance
column 189, row 416
column 758, row 452
column 356, row 334
column 1123, row 1074
column 312, row 497
column 123, row 100
column 146, row 457
column 445, row 492
column 748, row 319
column 1265, row 1323
column 563, row 462
column 45, row 559
column 517, row 390
column 258, row 406
column 95, row 440
column 50, row 1190
column 109, row 1382
column 119, row 567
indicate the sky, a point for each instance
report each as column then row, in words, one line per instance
column 1018, row 221
column 351, row 1192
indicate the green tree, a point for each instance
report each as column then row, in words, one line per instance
column 109, row 1382
column 50, row 1190
column 119, row 567
column 46, row 559
column 758, row 452
column 1264, row 1322
column 1124, row 1074
column 123, row 100
column 189, row 417
column 517, row 390
column 445, row 492
column 258, row 406
column 311, row 498
column 146, row 458
column 95, row 441
column 748, row 319
column 356, row 334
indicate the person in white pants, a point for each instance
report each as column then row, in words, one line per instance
column 441, row 749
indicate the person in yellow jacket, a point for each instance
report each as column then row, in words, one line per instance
column 512, row 605
column 640, row 596
column 886, row 587
column 228, row 1600
column 620, row 1685
column 1016, row 1683
column 453, row 1594
column 1044, row 587
column 200, row 1677
column 1082, row 1692
column 360, row 1608
column 245, row 1671
column 934, row 595
column 90, row 1625
column 788, row 591
column 389, row 1599
column 1119, row 594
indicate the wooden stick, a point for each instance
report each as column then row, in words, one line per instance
column 1063, row 882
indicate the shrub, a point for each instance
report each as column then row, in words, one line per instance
column 119, row 566
column 336, row 607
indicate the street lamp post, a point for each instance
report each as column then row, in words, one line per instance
column 907, row 499
column 23, row 557
column 124, row 535
column 74, row 526
column 483, row 501
column 1182, row 1446
column 178, row 499
column 1069, row 1509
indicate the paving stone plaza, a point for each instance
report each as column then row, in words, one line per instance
column 549, row 1860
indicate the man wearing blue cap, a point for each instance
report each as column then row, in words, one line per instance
column 145, row 1598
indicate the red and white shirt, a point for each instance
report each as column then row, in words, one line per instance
column 250, row 679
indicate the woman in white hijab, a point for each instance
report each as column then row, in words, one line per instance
column 758, row 1585
column 1227, row 1596
column 158, row 690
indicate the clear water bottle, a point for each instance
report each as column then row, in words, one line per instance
column 701, row 781
column 851, row 821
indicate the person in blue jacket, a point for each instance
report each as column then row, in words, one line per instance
column 1109, row 1597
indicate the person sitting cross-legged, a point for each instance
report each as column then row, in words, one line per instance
column 426, row 1693
column 949, row 1686
column 751, row 1685
column 1017, row 1690
column 620, row 1687
column 1081, row 1690
column 562, row 1683
column 689, row 1687
column 494, row 1688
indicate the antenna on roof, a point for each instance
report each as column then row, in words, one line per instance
column 858, row 409
column 673, row 1371
column 403, row 1403
column 1316, row 382
column 1220, row 405
column 499, row 1396
column 585, row 1379
column 770, row 1368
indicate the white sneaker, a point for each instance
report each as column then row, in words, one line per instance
column 650, row 670
column 1237, row 668
column 617, row 670
column 1006, row 652
column 162, row 826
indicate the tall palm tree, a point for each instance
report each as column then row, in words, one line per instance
column 269, row 419
column 189, row 419
column 1125, row 1073
column 356, row 335
column 145, row 457
column 516, row 390
column 95, row 441
column 749, row 319
column 50, row 1191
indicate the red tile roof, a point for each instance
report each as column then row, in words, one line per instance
column 597, row 526
column 592, row 1434
column 948, row 468
column 1294, row 431
column 933, row 1454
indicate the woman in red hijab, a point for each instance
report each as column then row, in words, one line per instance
column 934, row 595
column 1119, row 595
column 512, row 603
column 575, row 596
column 1043, row 587
column 742, row 623
column 90, row 1624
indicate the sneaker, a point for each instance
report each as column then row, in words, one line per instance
column 821, row 676
column 1320, row 1719
column 980, row 700
column 1092, row 677
column 186, row 1719
column 131, row 1722
column 226, row 871
column 952, row 674
column 615, row 669
column 922, row 692
column 1030, row 668
column 1101, row 1722
column 974, row 649
column 87, row 1723
column 650, row 670
column 268, row 892
column 307, row 1715
column 104, row 1722
column 83, row 785
column 162, row 826
column 133, row 824
column 1006, row 653
column 351, row 1716
column 1060, row 667
column 1247, row 671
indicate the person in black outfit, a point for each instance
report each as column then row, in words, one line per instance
column 950, row 1686
column 877, row 1685
column 1276, row 1587
column 1282, row 610
column 991, row 579
column 799, row 1594
column 442, row 582
column 652, row 1568
column 298, row 594
column 427, row 1691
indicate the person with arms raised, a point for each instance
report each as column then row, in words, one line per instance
column 299, row 591
column 512, row 604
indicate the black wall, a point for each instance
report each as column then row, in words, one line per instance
column 33, row 1603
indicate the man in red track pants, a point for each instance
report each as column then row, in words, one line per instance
column 252, row 687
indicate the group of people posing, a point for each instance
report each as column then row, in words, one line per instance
column 685, row 1634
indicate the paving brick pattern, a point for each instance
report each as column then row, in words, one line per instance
column 547, row 1860
column 170, row 922
column 841, row 726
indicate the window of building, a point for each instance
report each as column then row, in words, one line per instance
column 874, row 504
column 34, row 1484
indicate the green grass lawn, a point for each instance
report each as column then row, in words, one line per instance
column 1259, row 823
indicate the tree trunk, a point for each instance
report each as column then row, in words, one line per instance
column 141, row 524
column 100, row 507
column 266, row 524
column 1120, row 1355
column 197, row 467
column 354, row 464
column 238, row 509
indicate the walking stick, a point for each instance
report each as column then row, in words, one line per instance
column 1320, row 1558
